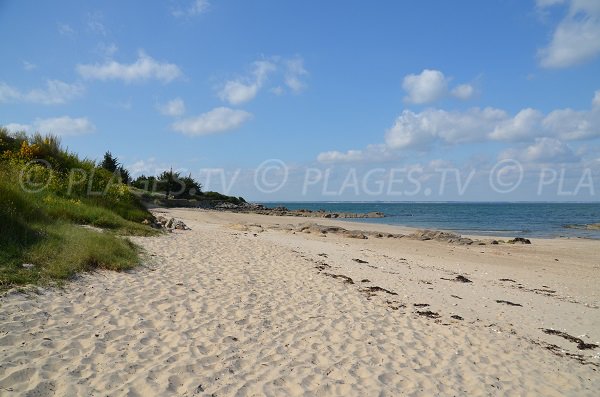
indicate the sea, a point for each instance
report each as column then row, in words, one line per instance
column 546, row 220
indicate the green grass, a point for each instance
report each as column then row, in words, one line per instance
column 60, row 250
column 44, row 229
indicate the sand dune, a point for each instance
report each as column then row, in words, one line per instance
column 255, row 311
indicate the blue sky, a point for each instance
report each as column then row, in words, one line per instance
column 219, row 87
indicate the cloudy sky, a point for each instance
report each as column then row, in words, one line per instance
column 328, row 89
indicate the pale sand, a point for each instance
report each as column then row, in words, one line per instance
column 220, row 310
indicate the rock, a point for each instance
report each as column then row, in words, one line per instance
column 28, row 266
column 454, row 238
column 355, row 234
column 169, row 224
column 227, row 206
column 179, row 225
column 145, row 222
column 519, row 240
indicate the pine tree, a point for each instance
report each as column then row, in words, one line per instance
column 109, row 163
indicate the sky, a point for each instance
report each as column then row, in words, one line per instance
column 319, row 100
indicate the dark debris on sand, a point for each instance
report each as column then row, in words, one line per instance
column 458, row 279
column 379, row 289
column 581, row 345
column 428, row 313
column 508, row 302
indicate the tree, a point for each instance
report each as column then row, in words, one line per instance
column 178, row 186
column 192, row 187
column 148, row 183
column 170, row 182
column 124, row 174
column 109, row 162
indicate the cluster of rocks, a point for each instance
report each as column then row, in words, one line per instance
column 423, row 235
column 313, row 228
column 283, row 211
column 436, row 235
column 170, row 224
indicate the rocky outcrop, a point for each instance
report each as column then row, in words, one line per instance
column 519, row 240
column 448, row 237
column 283, row 211
column 423, row 235
column 170, row 224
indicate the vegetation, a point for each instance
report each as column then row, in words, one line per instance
column 46, row 194
column 170, row 184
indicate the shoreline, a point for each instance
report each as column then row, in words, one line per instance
column 377, row 226
column 567, row 228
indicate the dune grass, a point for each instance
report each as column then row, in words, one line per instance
column 41, row 235
column 59, row 250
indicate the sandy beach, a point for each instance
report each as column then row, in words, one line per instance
column 240, row 306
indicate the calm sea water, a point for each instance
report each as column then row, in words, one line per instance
column 497, row 219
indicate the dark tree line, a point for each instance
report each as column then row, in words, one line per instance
column 172, row 183
column 111, row 164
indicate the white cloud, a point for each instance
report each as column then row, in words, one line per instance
column 28, row 66
column 148, row 166
column 463, row 91
column 420, row 131
column 432, row 85
column 65, row 30
column 544, row 150
column 174, row 108
column 245, row 89
column 217, row 120
column 56, row 92
column 61, row 126
column 371, row 153
column 294, row 73
column 426, row 87
column 16, row 127
column 144, row 68
column 525, row 124
column 335, row 156
column 95, row 23
column 547, row 3
column 576, row 39
column 236, row 92
column 195, row 7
